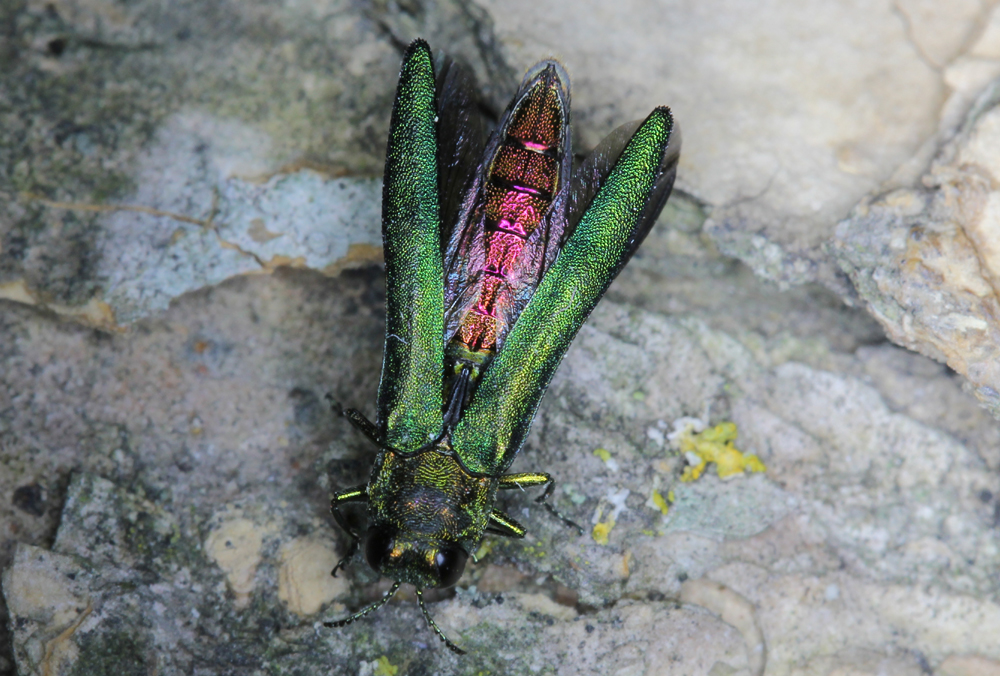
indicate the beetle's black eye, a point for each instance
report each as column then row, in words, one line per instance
column 379, row 546
column 450, row 562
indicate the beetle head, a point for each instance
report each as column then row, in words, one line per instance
column 421, row 561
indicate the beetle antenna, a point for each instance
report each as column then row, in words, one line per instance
column 437, row 630
column 364, row 611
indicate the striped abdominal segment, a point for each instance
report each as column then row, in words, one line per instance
column 521, row 182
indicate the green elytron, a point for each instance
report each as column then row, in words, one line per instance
column 495, row 254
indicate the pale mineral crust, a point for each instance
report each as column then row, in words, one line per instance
column 926, row 261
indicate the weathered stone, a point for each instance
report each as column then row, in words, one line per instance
column 222, row 424
column 790, row 114
column 926, row 261
column 152, row 150
column 188, row 461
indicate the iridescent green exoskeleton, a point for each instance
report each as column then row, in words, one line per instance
column 495, row 254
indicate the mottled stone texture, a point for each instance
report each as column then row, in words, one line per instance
column 926, row 261
column 217, row 456
column 202, row 115
column 166, row 455
column 791, row 112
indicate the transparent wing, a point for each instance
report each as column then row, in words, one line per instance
column 461, row 137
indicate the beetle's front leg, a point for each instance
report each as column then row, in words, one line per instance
column 356, row 494
column 526, row 479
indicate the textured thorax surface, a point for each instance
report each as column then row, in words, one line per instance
column 430, row 495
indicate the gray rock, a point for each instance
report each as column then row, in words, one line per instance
column 791, row 114
column 167, row 482
column 153, row 150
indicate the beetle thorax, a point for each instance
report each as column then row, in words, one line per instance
column 430, row 495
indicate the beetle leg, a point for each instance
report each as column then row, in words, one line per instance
column 512, row 481
column 356, row 494
column 356, row 418
column 502, row 524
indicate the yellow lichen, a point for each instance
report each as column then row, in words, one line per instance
column 601, row 531
column 660, row 502
column 602, row 528
column 534, row 550
column 754, row 464
column 385, row 668
column 716, row 444
column 485, row 547
column 603, row 454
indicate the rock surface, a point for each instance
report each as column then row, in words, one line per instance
column 165, row 484
column 791, row 114
column 207, row 424
column 152, row 150
column 926, row 261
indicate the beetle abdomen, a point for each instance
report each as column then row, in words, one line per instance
column 521, row 182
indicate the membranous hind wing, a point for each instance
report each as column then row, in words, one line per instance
column 625, row 202
column 410, row 396
column 461, row 138
column 595, row 169
column 508, row 231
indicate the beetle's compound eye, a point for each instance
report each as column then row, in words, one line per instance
column 449, row 562
column 379, row 548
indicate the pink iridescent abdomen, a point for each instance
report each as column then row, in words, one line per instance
column 518, row 190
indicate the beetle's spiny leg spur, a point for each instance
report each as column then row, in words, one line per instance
column 437, row 630
column 342, row 564
column 364, row 611
column 334, row 404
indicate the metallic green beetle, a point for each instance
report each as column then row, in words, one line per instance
column 495, row 255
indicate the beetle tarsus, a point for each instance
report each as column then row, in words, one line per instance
column 342, row 564
column 528, row 479
column 543, row 501
column 559, row 515
column 334, row 405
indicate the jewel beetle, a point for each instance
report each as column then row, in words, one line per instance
column 496, row 252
